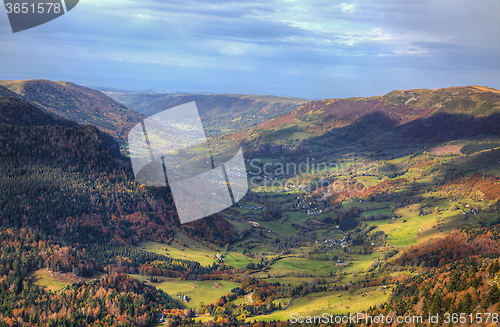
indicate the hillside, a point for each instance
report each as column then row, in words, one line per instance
column 77, row 103
column 111, row 301
column 15, row 111
column 219, row 113
column 62, row 179
column 459, row 280
column 4, row 92
column 402, row 218
column 409, row 119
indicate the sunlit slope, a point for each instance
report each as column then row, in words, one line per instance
column 77, row 103
column 398, row 119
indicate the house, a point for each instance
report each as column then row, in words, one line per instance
column 184, row 297
column 256, row 225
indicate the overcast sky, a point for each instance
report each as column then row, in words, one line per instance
column 309, row 49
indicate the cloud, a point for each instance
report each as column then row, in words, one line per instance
column 347, row 7
column 245, row 43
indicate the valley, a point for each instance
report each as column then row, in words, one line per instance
column 352, row 204
column 220, row 114
column 299, row 247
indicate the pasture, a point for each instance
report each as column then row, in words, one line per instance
column 333, row 302
column 198, row 291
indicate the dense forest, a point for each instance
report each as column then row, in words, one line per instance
column 468, row 286
column 63, row 181
column 110, row 301
column 78, row 104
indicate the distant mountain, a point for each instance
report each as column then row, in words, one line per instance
column 219, row 113
column 77, row 103
column 15, row 111
column 399, row 118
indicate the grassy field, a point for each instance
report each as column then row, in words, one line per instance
column 196, row 252
column 55, row 281
column 369, row 181
column 358, row 262
column 238, row 225
column 346, row 205
column 46, row 280
column 198, row 291
column 237, row 259
column 289, row 266
column 413, row 228
column 334, row 302
column 401, row 233
column 296, row 216
column 277, row 226
column 374, row 213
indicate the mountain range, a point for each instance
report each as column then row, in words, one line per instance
column 400, row 119
column 220, row 114
column 45, row 156
column 69, row 204
column 77, row 103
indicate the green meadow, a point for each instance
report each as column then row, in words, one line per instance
column 293, row 265
column 47, row 281
column 195, row 252
column 198, row 291
column 333, row 302
column 237, row 260
column 367, row 205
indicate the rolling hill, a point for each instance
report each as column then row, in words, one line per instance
column 220, row 114
column 6, row 92
column 65, row 180
column 16, row 111
column 279, row 250
column 77, row 103
column 406, row 119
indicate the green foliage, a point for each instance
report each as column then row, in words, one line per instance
column 97, row 302
column 457, row 278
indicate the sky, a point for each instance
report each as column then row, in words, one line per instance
column 310, row 49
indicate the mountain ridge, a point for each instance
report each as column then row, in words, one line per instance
column 380, row 119
column 18, row 112
column 77, row 103
column 333, row 252
column 219, row 112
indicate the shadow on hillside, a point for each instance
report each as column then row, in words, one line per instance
column 444, row 127
column 378, row 131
